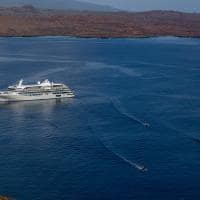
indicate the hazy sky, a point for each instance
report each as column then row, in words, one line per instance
column 133, row 5
column 181, row 5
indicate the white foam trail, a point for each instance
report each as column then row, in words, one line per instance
column 177, row 96
column 154, row 64
column 153, row 77
column 137, row 166
column 136, row 119
column 35, row 58
column 122, row 69
column 14, row 59
column 122, row 112
column 133, row 164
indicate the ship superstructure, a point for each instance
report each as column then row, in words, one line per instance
column 40, row 91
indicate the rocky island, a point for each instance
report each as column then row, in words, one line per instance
column 31, row 21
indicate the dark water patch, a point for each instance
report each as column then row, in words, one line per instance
column 49, row 152
column 196, row 140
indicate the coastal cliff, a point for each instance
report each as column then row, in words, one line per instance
column 30, row 21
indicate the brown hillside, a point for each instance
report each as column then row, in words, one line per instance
column 29, row 21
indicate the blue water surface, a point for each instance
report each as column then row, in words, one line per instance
column 131, row 133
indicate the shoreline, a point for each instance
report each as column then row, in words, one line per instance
column 102, row 38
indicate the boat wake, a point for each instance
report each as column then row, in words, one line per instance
column 133, row 164
column 194, row 139
column 117, row 106
column 136, row 165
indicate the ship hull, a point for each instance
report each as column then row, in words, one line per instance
column 17, row 97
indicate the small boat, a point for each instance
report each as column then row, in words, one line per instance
column 39, row 91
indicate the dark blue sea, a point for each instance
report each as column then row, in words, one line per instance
column 131, row 133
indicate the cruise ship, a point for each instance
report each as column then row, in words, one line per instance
column 39, row 91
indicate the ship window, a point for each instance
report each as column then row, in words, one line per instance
column 11, row 89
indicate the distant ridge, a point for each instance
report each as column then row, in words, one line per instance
column 57, row 4
column 30, row 21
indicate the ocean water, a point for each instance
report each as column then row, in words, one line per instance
column 131, row 133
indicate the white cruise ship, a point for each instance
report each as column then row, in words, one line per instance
column 40, row 91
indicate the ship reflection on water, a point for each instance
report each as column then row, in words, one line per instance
column 35, row 116
column 42, row 106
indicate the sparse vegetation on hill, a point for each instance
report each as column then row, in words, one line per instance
column 29, row 21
